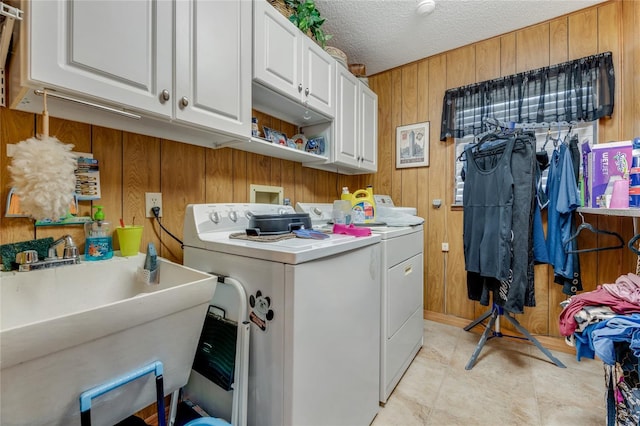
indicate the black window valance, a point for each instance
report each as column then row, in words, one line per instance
column 574, row 91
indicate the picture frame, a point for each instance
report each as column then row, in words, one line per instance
column 315, row 145
column 275, row 136
column 412, row 145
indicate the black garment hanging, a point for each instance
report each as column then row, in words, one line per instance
column 518, row 289
column 488, row 202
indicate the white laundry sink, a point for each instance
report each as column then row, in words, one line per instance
column 68, row 329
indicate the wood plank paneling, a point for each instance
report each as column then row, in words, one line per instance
column 107, row 147
column 532, row 47
column 182, row 168
column 141, row 174
column 461, row 70
column 219, row 176
column 439, row 187
column 609, row 40
column 239, row 177
column 508, row 54
column 15, row 127
column 488, row 59
column 424, row 173
column 381, row 85
column 558, row 47
column 583, row 33
column 396, row 120
column 409, row 116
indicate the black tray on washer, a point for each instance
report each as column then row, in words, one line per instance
column 273, row 224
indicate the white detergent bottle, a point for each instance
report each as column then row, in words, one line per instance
column 99, row 241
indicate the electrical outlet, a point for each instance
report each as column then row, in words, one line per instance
column 445, row 246
column 153, row 199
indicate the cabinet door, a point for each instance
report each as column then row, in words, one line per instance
column 276, row 51
column 318, row 71
column 213, row 64
column 346, row 122
column 368, row 110
column 118, row 51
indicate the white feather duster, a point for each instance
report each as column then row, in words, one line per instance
column 42, row 173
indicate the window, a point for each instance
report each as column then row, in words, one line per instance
column 554, row 100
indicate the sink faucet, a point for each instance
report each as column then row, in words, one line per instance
column 28, row 260
column 70, row 249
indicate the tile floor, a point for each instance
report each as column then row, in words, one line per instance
column 511, row 383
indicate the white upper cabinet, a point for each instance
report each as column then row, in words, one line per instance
column 368, row 128
column 184, row 66
column 120, row 52
column 213, row 64
column 290, row 63
column 356, row 124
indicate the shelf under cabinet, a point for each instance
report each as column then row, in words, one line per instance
column 265, row 147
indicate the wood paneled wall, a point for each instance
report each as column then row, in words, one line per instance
column 131, row 164
column 414, row 92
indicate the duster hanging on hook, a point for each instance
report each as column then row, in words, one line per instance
column 42, row 173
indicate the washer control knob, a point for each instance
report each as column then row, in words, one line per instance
column 233, row 215
column 317, row 211
column 214, row 217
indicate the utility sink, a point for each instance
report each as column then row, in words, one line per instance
column 68, row 329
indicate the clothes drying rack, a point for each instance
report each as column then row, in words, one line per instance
column 495, row 313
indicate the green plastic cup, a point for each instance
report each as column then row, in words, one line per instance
column 129, row 238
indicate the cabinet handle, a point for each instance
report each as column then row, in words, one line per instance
column 184, row 101
column 306, row 91
column 300, row 88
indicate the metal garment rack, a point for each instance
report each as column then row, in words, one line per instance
column 495, row 313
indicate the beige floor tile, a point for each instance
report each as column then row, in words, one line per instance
column 512, row 382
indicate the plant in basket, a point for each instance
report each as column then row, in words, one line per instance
column 306, row 16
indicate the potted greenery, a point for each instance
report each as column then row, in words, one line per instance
column 305, row 16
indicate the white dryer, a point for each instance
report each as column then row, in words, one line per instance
column 402, row 284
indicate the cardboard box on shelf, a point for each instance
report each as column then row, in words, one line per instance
column 608, row 162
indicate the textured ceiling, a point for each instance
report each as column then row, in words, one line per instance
column 384, row 34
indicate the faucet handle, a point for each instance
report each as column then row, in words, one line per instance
column 26, row 257
column 70, row 252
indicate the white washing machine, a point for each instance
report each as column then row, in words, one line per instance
column 402, row 271
column 313, row 306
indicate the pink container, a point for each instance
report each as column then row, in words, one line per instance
column 620, row 196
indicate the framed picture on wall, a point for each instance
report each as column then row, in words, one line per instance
column 412, row 145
